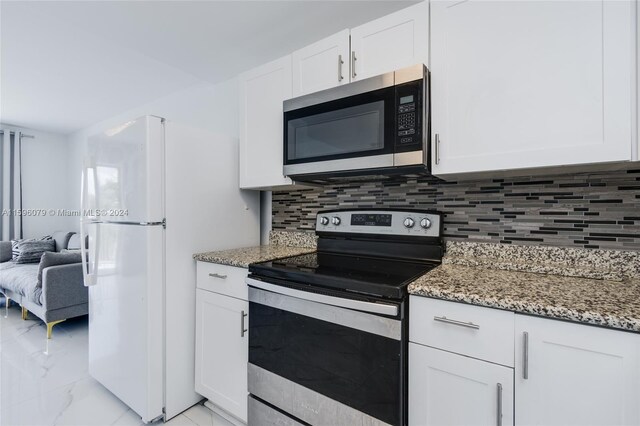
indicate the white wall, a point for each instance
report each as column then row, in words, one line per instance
column 45, row 181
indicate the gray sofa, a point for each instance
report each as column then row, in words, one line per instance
column 62, row 295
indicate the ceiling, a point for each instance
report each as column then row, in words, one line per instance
column 68, row 64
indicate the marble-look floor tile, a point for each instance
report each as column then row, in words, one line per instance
column 180, row 420
column 83, row 403
column 129, row 418
column 54, row 388
column 28, row 371
column 202, row 416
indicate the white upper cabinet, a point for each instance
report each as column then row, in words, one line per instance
column 526, row 84
column 394, row 41
column 262, row 91
column 322, row 65
column 571, row 374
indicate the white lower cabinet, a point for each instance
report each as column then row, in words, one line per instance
column 222, row 350
column 564, row 373
column 572, row 374
column 451, row 389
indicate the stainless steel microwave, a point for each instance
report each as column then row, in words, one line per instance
column 374, row 127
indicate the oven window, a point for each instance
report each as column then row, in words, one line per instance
column 357, row 368
column 349, row 130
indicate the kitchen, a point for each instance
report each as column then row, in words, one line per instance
column 435, row 221
column 538, row 204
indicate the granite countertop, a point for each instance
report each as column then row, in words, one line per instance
column 608, row 303
column 243, row 257
column 281, row 244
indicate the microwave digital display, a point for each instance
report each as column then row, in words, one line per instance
column 406, row 99
column 362, row 219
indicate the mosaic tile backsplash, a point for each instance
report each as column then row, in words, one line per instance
column 590, row 210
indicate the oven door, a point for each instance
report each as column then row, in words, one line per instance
column 351, row 133
column 326, row 360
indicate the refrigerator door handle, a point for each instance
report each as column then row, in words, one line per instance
column 88, row 261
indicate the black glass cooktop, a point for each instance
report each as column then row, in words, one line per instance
column 373, row 276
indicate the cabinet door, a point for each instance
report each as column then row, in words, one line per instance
column 576, row 374
column 525, row 84
column 262, row 91
column 322, row 65
column 637, row 111
column 449, row 389
column 222, row 351
column 395, row 41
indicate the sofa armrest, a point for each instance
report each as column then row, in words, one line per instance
column 63, row 286
column 5, row 251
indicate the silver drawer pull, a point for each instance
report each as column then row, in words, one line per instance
column 353, row 64
column 525, row 355
column 222, row 277
column 243, row 329
column 499, row 408
column 456, row 322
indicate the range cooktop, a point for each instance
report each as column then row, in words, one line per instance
column 375, row 253
column 373, row 276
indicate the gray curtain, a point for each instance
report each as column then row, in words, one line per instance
column 10, row 185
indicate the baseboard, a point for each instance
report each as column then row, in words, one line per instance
column 219, row 411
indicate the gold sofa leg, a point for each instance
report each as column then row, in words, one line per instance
column 25, row 313
column 50, row 327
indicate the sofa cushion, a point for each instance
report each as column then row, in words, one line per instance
column 62, row 239
column 74, row 242
column 5, row 251
column 31, row 250
column 20, row 279
column 53, row 259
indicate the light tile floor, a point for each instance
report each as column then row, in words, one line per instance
column 39, row 389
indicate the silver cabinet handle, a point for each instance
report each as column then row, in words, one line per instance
column 456, row 322
column 243, row 330
column 353, row 64
column 340, row 62
column 499, row 408
column 437, row 149
column 525, row 355
column 222, row 277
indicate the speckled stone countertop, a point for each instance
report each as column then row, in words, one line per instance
column 243, row 257
column 281, row 244
column 615, row 265
column 596, row 288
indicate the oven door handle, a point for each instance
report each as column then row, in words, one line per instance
column 359, row 305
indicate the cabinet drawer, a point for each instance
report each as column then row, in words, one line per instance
column 474, row 331
column 222, row 279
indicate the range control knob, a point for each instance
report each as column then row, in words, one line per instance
column 408, row 222
column 324, row 220
column 335, row 220
column 425, row 223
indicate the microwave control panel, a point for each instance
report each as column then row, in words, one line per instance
column 409, row 112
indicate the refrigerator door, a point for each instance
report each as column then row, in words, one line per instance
column 126, row 314
column 123, row 176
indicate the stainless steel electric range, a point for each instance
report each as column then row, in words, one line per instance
column 328, row 331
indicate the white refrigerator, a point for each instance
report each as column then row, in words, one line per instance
column 153, row 194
